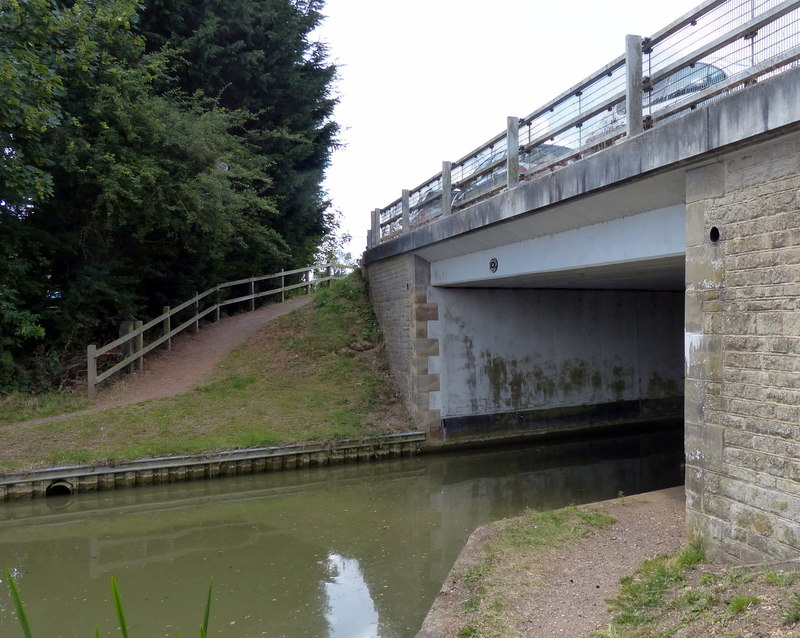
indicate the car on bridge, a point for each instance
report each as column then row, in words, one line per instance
column 664, row 93
column 488, row 180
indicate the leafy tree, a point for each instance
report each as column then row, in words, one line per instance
column 116, row 198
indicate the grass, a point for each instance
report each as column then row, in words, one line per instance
column 16, row 406
column 298, row 380
column 518, row 542
column 669, row 594
column 741, row 602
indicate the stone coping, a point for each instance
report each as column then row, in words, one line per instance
column 71, row 479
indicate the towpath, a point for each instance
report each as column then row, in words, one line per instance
column 190, row 360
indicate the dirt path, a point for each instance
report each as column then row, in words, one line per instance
column 191, row 359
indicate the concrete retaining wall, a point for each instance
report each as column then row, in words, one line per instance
column 743, row 353
column 75, row 479
column 529, row 353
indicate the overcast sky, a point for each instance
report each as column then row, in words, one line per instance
column 422, row 81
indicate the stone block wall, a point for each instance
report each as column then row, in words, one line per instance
column 742, row 353
column 399, row 292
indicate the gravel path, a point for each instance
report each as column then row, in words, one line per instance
column 574, row 581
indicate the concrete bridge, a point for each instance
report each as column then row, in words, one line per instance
column 636, row 259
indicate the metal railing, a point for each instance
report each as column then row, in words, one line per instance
column 129, row 350
column 719, row 47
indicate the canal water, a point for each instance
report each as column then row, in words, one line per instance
column 353, row 551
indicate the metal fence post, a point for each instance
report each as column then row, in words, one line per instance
column 406, row 210
column 447, row 187
column 633, row 93
column 139, row 344
column 166, row 327
column 91, row 370
column 512, row 152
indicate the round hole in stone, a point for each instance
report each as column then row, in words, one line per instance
column 714, row 234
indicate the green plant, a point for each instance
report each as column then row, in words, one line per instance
column 472, row 605
column 476, row 573
column 792, row 615
column 697, row 601
column 740, row 602
column 18, row 606
column 780, row 579
column 738, row 577
column 123, row 624
column 691, row 555
column 707, row 578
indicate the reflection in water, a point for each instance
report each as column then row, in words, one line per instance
column 350, row 611
column 340, row 552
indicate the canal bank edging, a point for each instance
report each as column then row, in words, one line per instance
column 172, row 469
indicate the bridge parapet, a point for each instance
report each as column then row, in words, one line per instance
column 719, row 47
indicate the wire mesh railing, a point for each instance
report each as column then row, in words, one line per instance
column 719, row 47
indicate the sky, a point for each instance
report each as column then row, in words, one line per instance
column 422, row 81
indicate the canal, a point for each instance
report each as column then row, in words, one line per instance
column 352, row 551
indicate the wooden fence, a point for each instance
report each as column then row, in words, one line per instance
column 131, row 345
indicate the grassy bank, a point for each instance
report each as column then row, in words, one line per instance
column 314, row 375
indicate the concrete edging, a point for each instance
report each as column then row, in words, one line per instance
column 173, row 469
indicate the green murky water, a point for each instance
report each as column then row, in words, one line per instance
column 355, row 551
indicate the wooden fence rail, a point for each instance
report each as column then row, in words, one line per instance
column 132, row 343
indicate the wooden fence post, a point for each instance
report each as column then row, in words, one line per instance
column 252, row 294
column 216, row 300
column 166, row 326
column 127, row 348
column 91, row 371
column 196, row 327
column 283, row 285
column 139, row 341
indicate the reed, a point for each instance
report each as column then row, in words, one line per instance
column 123, row 624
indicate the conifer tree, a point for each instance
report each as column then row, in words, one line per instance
column 258, row 56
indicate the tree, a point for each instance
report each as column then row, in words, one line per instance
column 257, row 56
column 116, row 198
